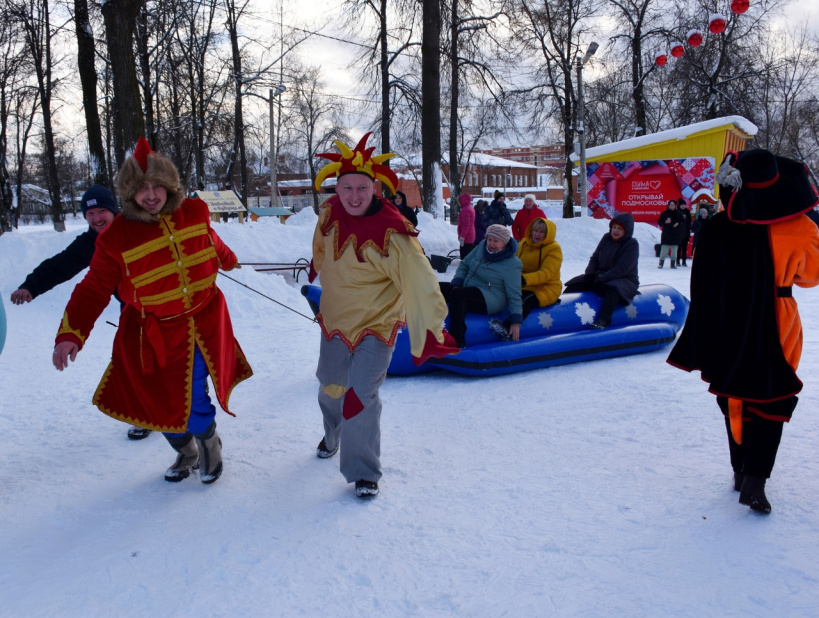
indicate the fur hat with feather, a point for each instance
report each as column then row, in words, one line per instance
column 147, row 166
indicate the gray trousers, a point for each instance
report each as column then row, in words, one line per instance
column 664, row 250
column 348, row 397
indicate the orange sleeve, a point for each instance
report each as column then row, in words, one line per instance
column 795, row 248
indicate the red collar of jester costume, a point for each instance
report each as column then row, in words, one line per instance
column 370, row 230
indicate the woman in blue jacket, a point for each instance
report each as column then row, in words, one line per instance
column 487, row 280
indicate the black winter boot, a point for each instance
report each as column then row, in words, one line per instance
column 661, row 264
column 322, row 452
column 738, row 478
column 138, row 433
column 210, row 454
column 366, row 489
column 187, row 460
column 753, row 494
column 673, row 264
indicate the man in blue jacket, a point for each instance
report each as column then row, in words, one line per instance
column 99, row 209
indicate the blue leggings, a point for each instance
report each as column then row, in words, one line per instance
column 203, row 411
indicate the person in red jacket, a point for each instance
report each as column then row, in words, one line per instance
column 525, row 216
column 162, row 257
column 466, row 224
column 743, row 331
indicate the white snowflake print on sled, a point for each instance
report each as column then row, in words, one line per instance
column 545, row 320
column 631, row 312
column 666, row 304
column 584, row 312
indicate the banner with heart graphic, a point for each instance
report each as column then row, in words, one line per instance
column 643, row 188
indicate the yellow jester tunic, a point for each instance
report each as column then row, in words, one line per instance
column 165, row 273
column 375, row 279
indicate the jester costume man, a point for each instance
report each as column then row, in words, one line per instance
column 175, row 329
column 743, row 331
column 375, row 280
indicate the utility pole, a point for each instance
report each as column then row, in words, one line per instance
column 274, row 185
column 581, row 133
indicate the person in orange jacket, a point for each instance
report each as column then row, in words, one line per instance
column 162, row 257
column 743, row 331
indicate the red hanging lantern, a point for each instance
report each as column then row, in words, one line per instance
column 740, row 6
column 677, row 49
column 717, row 24
column 694, row 37
column 660, row 59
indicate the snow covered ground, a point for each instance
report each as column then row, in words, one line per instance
column 596, row 489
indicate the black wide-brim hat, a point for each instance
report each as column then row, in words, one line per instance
column 773, row 189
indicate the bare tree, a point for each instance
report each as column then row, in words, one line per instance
column 128, row 121
column 27, row 105
column 554, row 31
column 234, row 12
column 317, row 118
column 380, row 60
column 86, row 66
column 34, row 17
column 788, row 93
column 431, row 109
column 467, row 65
column 202, row 76
column 640, row 23
column 716, row 78
column 12, row 70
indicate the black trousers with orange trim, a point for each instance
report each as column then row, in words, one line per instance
column 761, row 434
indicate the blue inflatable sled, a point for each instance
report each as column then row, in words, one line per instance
column 554, row 335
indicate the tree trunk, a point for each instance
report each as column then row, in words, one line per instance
column 238, row 118
column 86, row 56
column 385, row 87
column 454, row 171
column 37, row 27
column 431, row 108
column 142, row 33
column 129, row 123
column 637, row 81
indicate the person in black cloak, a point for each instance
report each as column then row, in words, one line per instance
column 743, row 331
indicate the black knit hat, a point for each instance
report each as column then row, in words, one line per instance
column 758, row 186
column 98, row 197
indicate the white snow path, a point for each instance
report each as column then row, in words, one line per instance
column 593, row 489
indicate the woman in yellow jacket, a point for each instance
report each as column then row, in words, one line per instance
column 542, row 257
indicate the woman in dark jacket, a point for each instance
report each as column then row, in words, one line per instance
column 497, row 213
column 699, row 223
column 400, row 201
column 612, row 269
column 670, row 223
column 480, row 226
column 685, row 234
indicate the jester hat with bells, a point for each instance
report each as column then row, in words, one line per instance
column 147, row 166
column 359, row 160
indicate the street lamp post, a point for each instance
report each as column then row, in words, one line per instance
column 274, row 187
column 581, row 133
